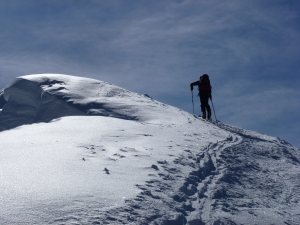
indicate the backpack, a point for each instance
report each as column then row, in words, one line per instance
column 205, row 83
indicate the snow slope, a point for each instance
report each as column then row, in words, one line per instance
column 81, row 151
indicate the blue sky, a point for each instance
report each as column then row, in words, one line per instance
column 250, row 49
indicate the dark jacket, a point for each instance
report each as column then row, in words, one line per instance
column 203, row 86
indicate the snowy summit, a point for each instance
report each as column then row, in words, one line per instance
column 81, row 151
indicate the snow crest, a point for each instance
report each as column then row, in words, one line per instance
column 42, row 98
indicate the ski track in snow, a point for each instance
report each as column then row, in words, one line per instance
column 216, row 192
column 142, row 162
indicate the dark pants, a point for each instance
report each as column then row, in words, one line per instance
column 204, row 97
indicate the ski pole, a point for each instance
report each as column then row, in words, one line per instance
column 193, row 101
column 213, row 108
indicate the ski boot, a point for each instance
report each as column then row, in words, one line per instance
column 209, row 115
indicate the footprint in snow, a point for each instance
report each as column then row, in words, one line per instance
column 106, row 170
column 119, row 155
column 126, row 149
column 154, row 167
column 112, row 159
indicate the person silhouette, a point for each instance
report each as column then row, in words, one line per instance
column 204, row 88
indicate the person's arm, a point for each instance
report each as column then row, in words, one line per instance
column 194, row 84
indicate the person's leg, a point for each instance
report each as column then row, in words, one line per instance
column 205, row 105
column 202, row 105
column 208, row 112
column 208, row 109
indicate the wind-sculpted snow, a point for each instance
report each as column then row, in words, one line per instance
column 135, row 161
column 42, row 98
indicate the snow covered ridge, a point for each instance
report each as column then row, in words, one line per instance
column 43, row 97
column 138, row 161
